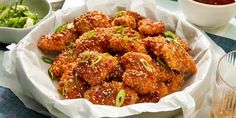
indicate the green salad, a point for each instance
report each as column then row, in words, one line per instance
column 17, row 16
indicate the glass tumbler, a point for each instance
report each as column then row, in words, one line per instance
column 224, row 96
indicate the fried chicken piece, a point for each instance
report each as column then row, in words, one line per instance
column 178, row 59
column 174, row 56
column 127, row 19
column 94, row 40
column 154, row 45
column 124, row 40
column 162, row 89
column 91, row 20
column 175, row 81
column 95, row 67
column 140, row 72
column 106, row 93
column 61, row 61
column 148, row 27
column 71, row 86
column 181, row 43
column 176, row 40
column 57, row 42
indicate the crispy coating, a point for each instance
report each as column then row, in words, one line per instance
column 61, row 61
column 139, row 77
column 169, row 81
column 144, row 98
column 91, row 20
column 72, row 86
column 106, row 93
column 178, row 59
column 162, row 89
column 94, row 40
column 148, row 27
column 57, row 42
column 181, row 43
column 126, row 18
column 175, row 56
column 95, row 67
column 110, row 56
column 117, row 73
column 154, row 45
column 125, row 40
column 175, row 82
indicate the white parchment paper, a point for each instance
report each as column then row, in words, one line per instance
column 26, row 74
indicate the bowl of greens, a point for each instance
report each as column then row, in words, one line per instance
column 19, row 17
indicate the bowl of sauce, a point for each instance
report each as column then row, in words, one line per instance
column 216, row 2
column 208, row 14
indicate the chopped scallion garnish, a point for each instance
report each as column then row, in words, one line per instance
column 120, row 98
column 63, row 91
column 120, row 13
column 161, row 62
column 50, row 74
column 47, row 60
column 169, row 34
column 86, row 57
column 146, row 65
column 96, row 60
column 119, row 29
column 91, row 34
column 64, row 26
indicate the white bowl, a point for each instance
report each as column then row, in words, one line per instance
column 207, row 16
column 14, row 35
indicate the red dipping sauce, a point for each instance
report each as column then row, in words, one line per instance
column 216, row 2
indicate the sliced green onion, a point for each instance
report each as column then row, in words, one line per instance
column 147, row 66
column 169, row 34
column 86, row 57
column 70, row 25
column 91, row 34
column 70, row 46
column 29, row 23
column 47, row 59
column 169, row 39
column 120, row 13
column 161, row 62
column 177, row 42
column 50, row 74
column 119, row 29
column 134, row 37
column 107, row 54
column 96, row 60
column 63, row 91
column 64, row 26
column 61, row 27
column 120, row 98
column 4, row 13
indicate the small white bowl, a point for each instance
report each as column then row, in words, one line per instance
column 207, row 16
column 14, row 35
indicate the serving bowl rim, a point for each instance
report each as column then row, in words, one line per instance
column 211, row 5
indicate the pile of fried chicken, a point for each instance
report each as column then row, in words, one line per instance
column 100, row 56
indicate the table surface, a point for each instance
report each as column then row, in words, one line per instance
column 11, row 106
